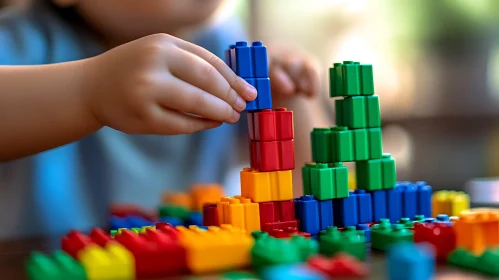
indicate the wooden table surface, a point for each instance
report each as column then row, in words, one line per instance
column 13, row 255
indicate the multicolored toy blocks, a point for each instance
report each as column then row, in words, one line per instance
column 384, row 235
column 440, row 235
column 350, row 241
column 239, row 212
column 215, row 249
column 251, row 64
column 58, row 266
column 451, row 203
column 485, row 263
column 477, row 230
column 408, row 261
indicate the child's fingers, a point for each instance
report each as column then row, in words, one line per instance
column 281, row 82
column 171, row 122
column 244, row 89
column 196, row 71
column 182, row 96
column 310, row 80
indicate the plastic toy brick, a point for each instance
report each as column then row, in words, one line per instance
column 379, row 205
column 271, row 125
column 178, row 199
column 485, row 263
column 292, row 271
column 364, row 206
column 288, row 233
column 384, row 235
column 215, row 249
column 174, row 211
column 156, row 253
column 264, row 98
column 406, row 222
column 463, row 258
column 59, row 266
column 172, row 220
column 442, row 218
column 241, row 213
column 346, row 211
column 269, row 227
column 351, row 78
column 424, row 192
column 241, row 60
column 210, row 215
column 266, row 186
column 451, row 203
column 126, row 210
column 272, row 155
column 367, row 231
column 326, row 214
column 350, row 241
column 286, row 210
column 395, row 203
column 340, row 265
column 74, row 242
column 410, row 261
column 419, row 219
column 307, row 247
column 409, row 199
column 321, row 145
column 325, row 181
column 376, row 174
column 352, row 182
column 269, row 212
column 195, row 218
column 477, row 230
column 307, row 212
column 259, row 234
column 100, row 237
column 205, row 193
column 260, row 60
column 111, row 262
column 238, row 275
column 358, row 112
column 441, row 236
column 269, row 251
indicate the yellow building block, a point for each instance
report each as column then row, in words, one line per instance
column 451, row 203
column 217, row 249
column 239, row 212
column 113, row 262
column 267, row 186
column 477, row 230
column 205, row 193
column 179, row 199
column 220, row 209
column 352, row 181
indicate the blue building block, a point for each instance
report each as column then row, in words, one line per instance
column 174, row 221
column 409, row 261
column 195, row 218
column 260, row 60
column 367, row 231
column 423, row 199
column 138, row 222
column 264, row 97
column 325, row 213
column 227, row 56
column 364, row 206
column 379, row 205
column 117, row 222
column 443, row 218
column 307, row 212
column 394, row 204
column 241, row 60
column 429, row 220
column 345, row 211
column 293, row 271
column 409, row 199
column 251, row 105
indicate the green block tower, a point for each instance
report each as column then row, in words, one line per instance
column 355, row 138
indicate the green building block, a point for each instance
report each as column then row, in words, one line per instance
column 238, row 275
column 376, row 174
column 406, row 222
column 463, row 258
column 321, row 145
column 375, row 143
column 358, row 112
column 488, row 262
column 384, row 234
column 341, row 144
column 307, row 247
column 58, row 267
column 174, row 211
column 419, row 219
column 351, row 78
column 113, row 232
column 269, row 251
column 259, row 234
column 350, row 241
column 325, row 181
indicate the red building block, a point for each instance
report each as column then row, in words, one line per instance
column 272, row 155
column 125, row 210
column 75, row 241
column 268, row 227
column 341, row 265
column 169, row 230
column 156, row 253
column 288, row 232
column 100, row 237
column 442, row 236
column 210, row 215
column 268, row 125
column 286, row 210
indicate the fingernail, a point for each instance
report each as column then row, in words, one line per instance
column 251, row 92
column 235, row 116
column 240, row 104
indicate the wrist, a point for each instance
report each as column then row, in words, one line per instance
column 86, row 89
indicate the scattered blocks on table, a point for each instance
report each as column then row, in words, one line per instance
column 271, row 125
column 477, row 230
column 266, row 186
column 325, row 181
column 215, row 249
column 112, row 262
column 267, row 156
column 384, row 235
column 205, row 193
column 340, row 265
column 441, row 236
column 376, row 174
column 484, row 263
column 239, row 212
column 350, row 79
column 451, row 203
column 350, row 241
column 358, row 112
column 409, row 261
column 58, row 266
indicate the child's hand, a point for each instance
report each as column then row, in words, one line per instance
column 292, row 72
column 163, row 85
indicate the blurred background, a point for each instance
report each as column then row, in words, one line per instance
column 436, row 67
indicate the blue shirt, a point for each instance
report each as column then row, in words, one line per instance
column 72, row 186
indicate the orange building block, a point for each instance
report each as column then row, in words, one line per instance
column 477, row 230
column 239, row 212
column 205, row 193
column 266, row 186
column 179, row 199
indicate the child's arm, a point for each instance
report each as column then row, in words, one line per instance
column 155, row 85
